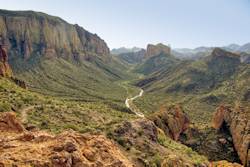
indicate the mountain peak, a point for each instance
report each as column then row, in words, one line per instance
column 218, row 52
column 154, row 50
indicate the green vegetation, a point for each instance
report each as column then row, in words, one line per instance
column 56, row 114
column 156, row 63
column 89, row 81
column 199, row 86
column 186, row 152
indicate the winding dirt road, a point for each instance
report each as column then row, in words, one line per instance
column 129, row 102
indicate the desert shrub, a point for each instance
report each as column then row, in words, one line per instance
column 5, row 107
column 156, row 161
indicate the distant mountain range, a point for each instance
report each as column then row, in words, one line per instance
column 136, row 55
column 204, row 51
column 189, row 53
column 125, row 50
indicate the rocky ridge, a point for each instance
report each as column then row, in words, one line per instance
column 28, row 33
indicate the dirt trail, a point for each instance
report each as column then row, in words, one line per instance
column 129, row 102
column 24, row 113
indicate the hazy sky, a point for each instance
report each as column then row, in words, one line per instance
column 181, row 23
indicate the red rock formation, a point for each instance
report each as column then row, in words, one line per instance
column 5, row 69
column 218, row 117
column 8, row 122
column 70, row 149
column 173, row 121
column 238, row 122
column 224, row 164
column 154, row 50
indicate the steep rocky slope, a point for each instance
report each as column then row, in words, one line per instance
column 59, row 59
column 20, row 147
column 155, row 64
column 5, row 69
column 133, row 57
column 237, row 121
column 197, row 85
column 148, row 145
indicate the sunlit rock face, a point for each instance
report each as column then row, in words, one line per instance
column 154, row 50
column 30, row 33
column 5, row 69
column 237, row 120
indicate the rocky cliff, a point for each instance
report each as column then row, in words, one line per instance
column 29, row 33
column 172, row 120
column 5, row 69
column 237, row 121
column 148, row 145
column 154, row 50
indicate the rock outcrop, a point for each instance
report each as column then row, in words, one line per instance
column 224, row 164
column 149, row 146
column 172, row 120
column 29, row 33
column 237, row 121
column 19, row 82
column 154, row 50
column 245, row 58
column 19, row 147
column 5, row 69
column 9, row 123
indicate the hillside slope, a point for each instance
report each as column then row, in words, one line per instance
column 199, row 85
column 60, row 59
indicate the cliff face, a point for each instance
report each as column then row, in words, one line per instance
column 154, row 50
column 27, row 33
column 5, row 69
column 237, row 121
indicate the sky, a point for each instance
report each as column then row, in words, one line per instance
column 128, row 23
